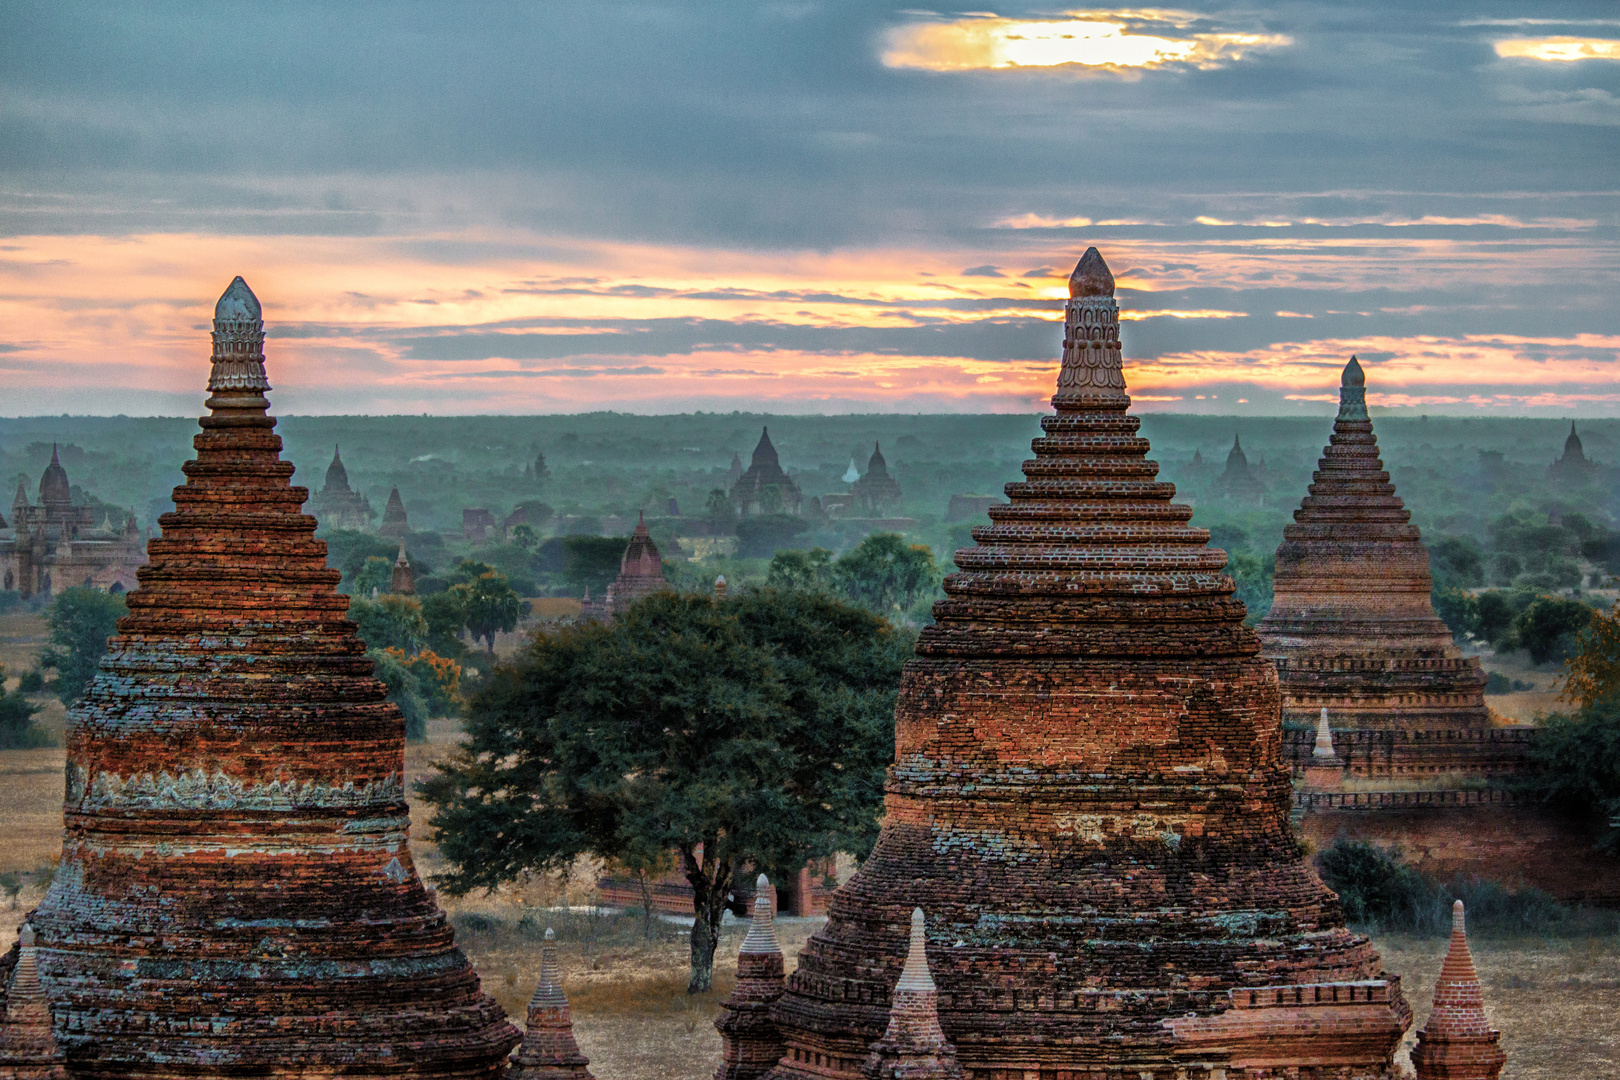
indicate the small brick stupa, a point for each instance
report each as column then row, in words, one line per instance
column 28, row 1049
column 549, row 1051
column 914, row 1046
column 1457, row 1043
column 1087, row 799
column 236, row 894
column 750, row 1045
column 402, row 579
column 1352, row 627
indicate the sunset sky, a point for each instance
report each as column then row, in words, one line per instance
column 810, row 206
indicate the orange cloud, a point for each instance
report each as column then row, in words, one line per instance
column 1558, row 49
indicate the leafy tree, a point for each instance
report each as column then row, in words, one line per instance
column 1496, row 611
column 1253, row 576
column 17, row 728
column 525, row 537
column 1456, row 562
column 348, row 550
column 403, row 690
column 81, row 620
column 592, row 561
column 717, row 508
column 811, row 569
column 746, row 733
column 540, row 470
column 887, row 574
column 1458, row 610
column 770, row 499
column 31, row 682
column 437, row 678
column 390, row 622
column 446, row 619
column 375, row 576
column 1579, row 755
column 1594, row 669
column 488, row 603
column 761, row 536
column 1374, row 886
column 1548, row 628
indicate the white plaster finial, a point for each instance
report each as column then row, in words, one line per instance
column 1324, row 739
column 549, row 993
column 915, row 975
column 762, row 932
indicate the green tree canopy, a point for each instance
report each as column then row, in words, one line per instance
column 811, row 569
column 1579, row 754
column 717, row 507
column 488, row 603
column 446, row 620
column 1548, row 628
column 390, row 622
column 81, row 620
column 375, row 575
column 403, row 690
column 746, row 733
column 887, row 574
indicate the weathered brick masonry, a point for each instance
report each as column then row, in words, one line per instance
column 1087, row 800
column 236, row 895
column 1352, row 628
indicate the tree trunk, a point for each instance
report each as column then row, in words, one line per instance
column 711, row 883
column 646, row 905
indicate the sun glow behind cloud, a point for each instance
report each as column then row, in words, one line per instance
column 1558, row 49
column 1102, row 40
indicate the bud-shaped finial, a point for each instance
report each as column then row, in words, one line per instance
column 1091, row 276
column 1353, row 393
column 25, row 938
column 762, row 931
column 238, row 361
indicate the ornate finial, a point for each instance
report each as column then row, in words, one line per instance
column 25, row 938
column 1091, row 276
column 1353, row 393
column 1324, row 739
column 762, row 932
column 238, row 342
column 1092, row 369
column 915, row 975
column 720, row 587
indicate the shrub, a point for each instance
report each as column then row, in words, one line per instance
column 32, row 681
column 17, row 728
column 404, row 691
column 1374, row 886
column 1549, row 627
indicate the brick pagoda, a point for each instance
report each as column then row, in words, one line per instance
column 1088, row 802
column 548, row 1050
column 641, row 570
column 750, row 1044
column 236, row 894
column 1458, row 1042
column 1352, row 628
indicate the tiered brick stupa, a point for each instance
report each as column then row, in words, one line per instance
column 28, row 1048
column 750, row 1045
column 1457, row 1043
column 236, row 894
column 549, row 1051
column 1088, row 802
column 1351, row 627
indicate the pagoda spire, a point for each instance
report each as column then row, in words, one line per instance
column 1458, row 1043
column 236, row 708
column 1087, row 795
column 914, row 1047
column 549, row 1051
column 751, row 1045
